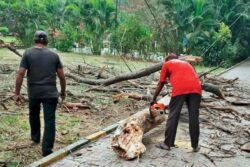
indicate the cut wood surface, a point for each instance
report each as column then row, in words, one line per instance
column 127, row 141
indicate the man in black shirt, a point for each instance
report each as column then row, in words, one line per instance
column 42, row 66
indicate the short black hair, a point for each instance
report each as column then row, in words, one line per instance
column 171, row 56
column 41, row 37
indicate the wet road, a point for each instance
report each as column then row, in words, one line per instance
column 242, row 71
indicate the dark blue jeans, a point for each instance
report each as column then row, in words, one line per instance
column 49, row 108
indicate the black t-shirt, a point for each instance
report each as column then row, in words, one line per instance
column 41, row 65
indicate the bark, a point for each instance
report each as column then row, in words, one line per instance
column 213, row 89
column 127, row 141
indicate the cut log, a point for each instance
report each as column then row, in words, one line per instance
column 127, row 141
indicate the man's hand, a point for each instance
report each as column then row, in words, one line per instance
column 63, row 95
column 153, row 114
column 17, row 99
column 152, row 102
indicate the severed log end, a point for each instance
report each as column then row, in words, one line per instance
column 127, row 140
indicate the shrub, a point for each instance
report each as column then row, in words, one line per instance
column 66, row 39
column 4, row 30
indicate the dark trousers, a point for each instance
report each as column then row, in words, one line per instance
column 49, row 108
column 193, row 102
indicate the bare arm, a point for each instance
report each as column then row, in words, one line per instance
column 19, row 80
column 61, row 76
column 157, row 91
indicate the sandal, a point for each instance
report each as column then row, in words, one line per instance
column 163, row 146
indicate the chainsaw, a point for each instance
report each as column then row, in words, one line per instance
column 158, row 108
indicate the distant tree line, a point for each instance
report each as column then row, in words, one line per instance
column 218, row 30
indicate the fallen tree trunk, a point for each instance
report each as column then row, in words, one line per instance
column 127, row 141
column 116, row 79
column 131, row 75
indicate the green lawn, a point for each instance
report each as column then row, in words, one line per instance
column 9, row 39
column 9, row 57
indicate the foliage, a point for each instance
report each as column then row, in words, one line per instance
column 131, row 35
column 217, row 48
column 92, row 18
column 67, row 38
column 99, row 18
column 216, row 30
column 4, row 30
column 185, row 26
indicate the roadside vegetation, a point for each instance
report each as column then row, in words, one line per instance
column 218, row 31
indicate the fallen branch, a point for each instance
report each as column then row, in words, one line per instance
column 128, row 76
column 91, row 105
column 136, row 96
column 116, row 79
column 225, row 109
column 11, row 48
column 4, row 106
column 213, row 89
column 76, row 106
column 18, row 147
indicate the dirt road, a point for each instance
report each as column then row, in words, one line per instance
column 100, row 153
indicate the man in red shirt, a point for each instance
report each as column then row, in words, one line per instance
column 186, row 87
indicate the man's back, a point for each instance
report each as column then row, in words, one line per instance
column 182, row 77
column 41, row 65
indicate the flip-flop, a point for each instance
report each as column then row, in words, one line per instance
column 163, row 146
column 174, row 146
column 196, row 149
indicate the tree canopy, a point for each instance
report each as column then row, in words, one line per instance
column 216, row 30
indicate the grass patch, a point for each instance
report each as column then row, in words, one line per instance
column 71, row 122
column 8, row 39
